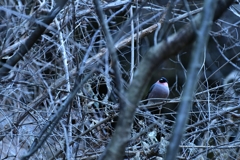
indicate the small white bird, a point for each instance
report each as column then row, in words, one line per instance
column 159, row 89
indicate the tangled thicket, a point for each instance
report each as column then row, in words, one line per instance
column 74, row 43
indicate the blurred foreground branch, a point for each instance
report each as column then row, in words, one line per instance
column 155, row 56
column 192, row 77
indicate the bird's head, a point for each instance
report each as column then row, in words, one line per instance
column 163, row 81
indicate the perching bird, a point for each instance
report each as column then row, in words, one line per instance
column 159, row 89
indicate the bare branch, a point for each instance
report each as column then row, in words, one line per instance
column 192, row 77
column 24, row 48
column 110, row 46
column 156, row 55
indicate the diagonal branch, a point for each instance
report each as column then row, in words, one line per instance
column 192, row 77
column 110, row 45
column 155, row 56
column 25, row 47
column 48, row 127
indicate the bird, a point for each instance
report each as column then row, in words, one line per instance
column 159, row 89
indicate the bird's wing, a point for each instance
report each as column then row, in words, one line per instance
column 150, row 90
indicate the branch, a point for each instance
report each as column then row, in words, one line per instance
column 110, row 46
column 155, row 56
column 25, row 47
column 48, row 127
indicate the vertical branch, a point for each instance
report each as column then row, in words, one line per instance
column 132, row 45
column 192, row 78
column 110, row 46
column 137, row 39
column 155, row 56
column 64, row 55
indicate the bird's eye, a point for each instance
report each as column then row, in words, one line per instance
column 162, row 80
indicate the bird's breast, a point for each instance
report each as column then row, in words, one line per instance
column 159, row 91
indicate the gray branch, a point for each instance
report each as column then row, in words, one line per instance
column 155, row 56
column 25, row 47
column 111, row 48
column 206, row 19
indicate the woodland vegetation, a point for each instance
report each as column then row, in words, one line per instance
column 74, row 76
